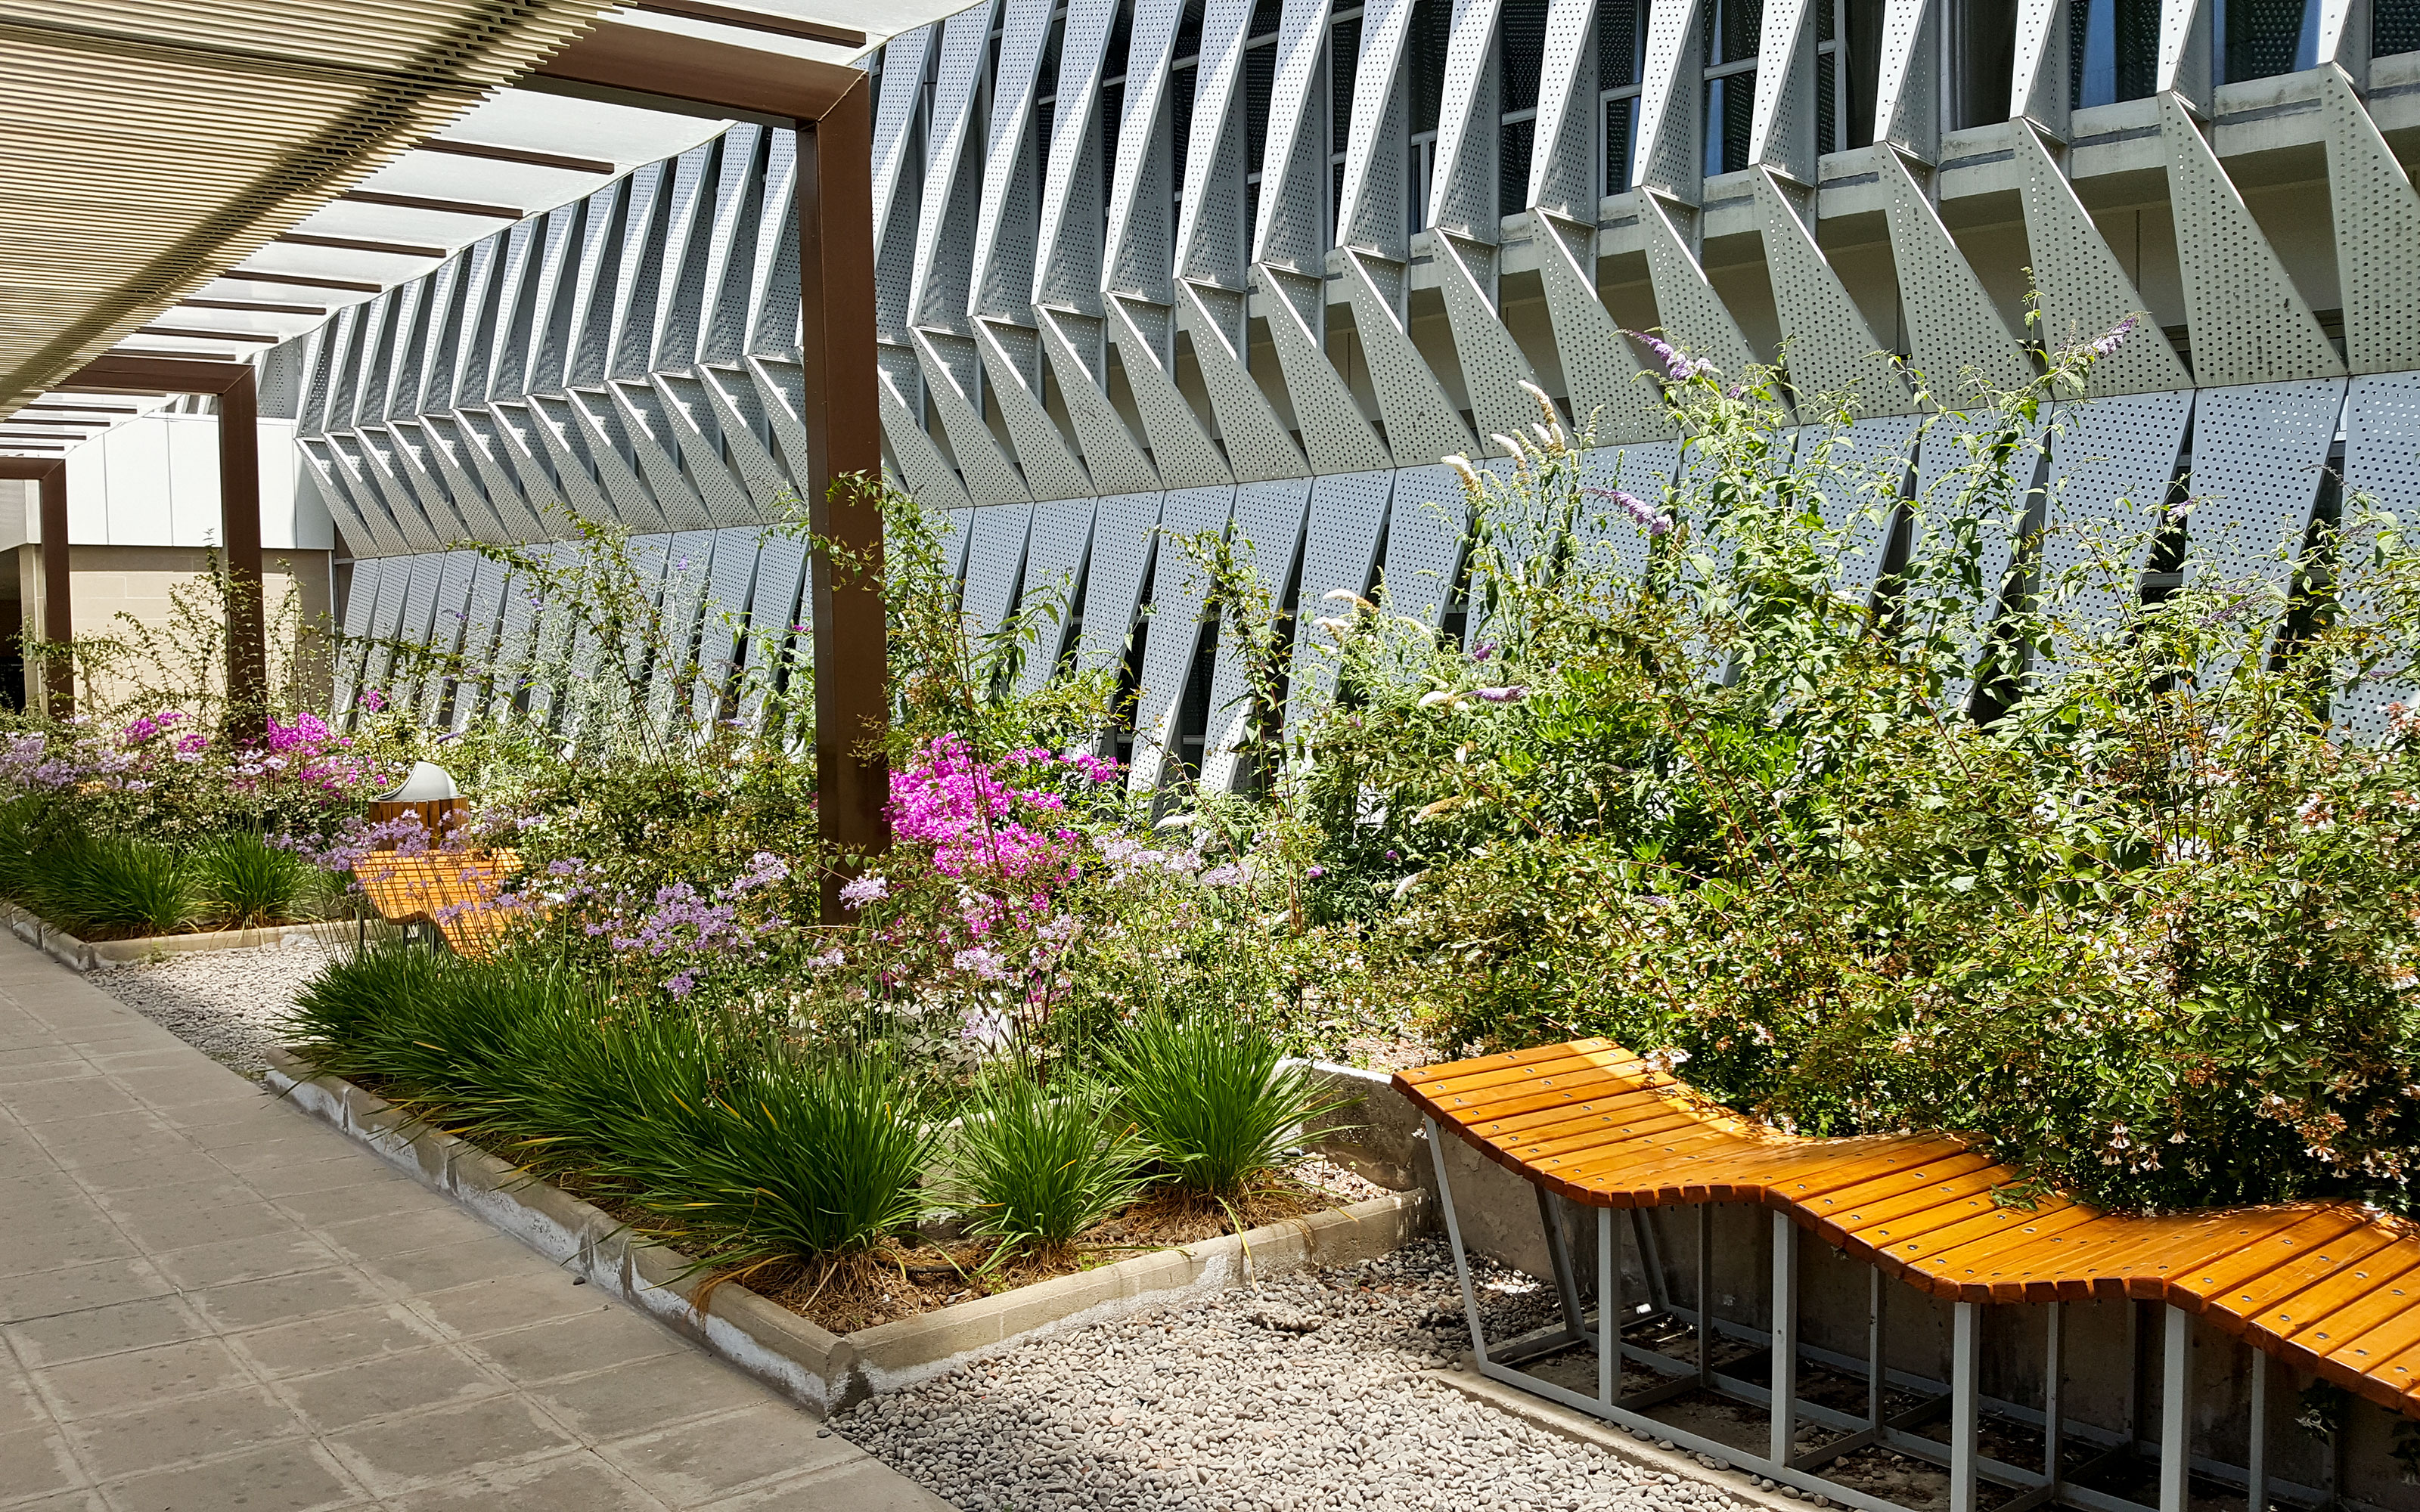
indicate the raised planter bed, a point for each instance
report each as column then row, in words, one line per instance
column 98, row 955
column 810, row 1363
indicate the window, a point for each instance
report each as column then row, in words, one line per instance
column 1113, row 102
column 1524, row 46
column 1182, row 72
column 1343, row 64
column 2115, row 49
column 1620, row 64
column 2394, row 26
column 1260, row 79
column 1732, row 29
column 1424, row 64
column 1985, row 46
column 2260, row 37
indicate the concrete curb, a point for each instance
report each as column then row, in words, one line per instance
column 813, row 1365
column 88, row 956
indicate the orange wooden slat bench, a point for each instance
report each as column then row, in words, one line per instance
column 2332, row 1290
column 454, row 890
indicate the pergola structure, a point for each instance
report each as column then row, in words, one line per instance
column 331, row 151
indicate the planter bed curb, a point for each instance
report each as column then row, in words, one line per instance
column 88, row 956
column 811, row 1364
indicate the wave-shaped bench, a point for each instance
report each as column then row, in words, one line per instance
column 2330, row 1289
column 454, row 890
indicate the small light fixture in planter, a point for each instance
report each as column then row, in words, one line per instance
column 428, row 795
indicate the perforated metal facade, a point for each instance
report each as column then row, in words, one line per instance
column 1139, row 275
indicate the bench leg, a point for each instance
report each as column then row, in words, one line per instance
column 2053, row 1379
column 1609, row 1310
column 2176, row 1410
column 1785, row 1337
column 1558, row 1253
column 2256, row 1457
column 1453, row 1237
column 1965, row 1326
column 1877, row 1368
column 1705, row 1293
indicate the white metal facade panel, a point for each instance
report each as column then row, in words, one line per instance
column 482, row 624
column 360, row 600
column 1267, row 538
column 2258, row 453
column 1125, row 536
column 448, row 624
column 1830, row 349
column 418, row 608
column 2377, row 229
column 1866, row 463
column 1347, row 521
column 1426, row 528
column 2111, row 463
column 2382, row 465
column 1695, row 317
column 1054, row 574
column 773, row 607
column 995, row 561
column 1609, row 537
column 2250, row 323
column 2083, row 286
column 1179, row 590
column 1953, row 327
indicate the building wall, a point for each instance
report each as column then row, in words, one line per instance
column 1153, row 265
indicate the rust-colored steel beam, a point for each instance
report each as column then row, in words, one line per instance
column 830, row 107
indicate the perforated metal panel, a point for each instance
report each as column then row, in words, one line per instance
column 1494, row 367
column 927, row 474
column 1907, row 102
column 1183, row 450
column 1564, row 176
column 1054, row 573
column 1290, row 227
column 1601, row 372
column 1336, row 436
column 1258, row 446
column 744, row 417
column 1669, row 157
column 2258, row 456
column 2250, row 323
column 447, row 623
column 1939, row 489
column 1421, row 423
column 653, row 436
column 2084, row 289
column 1010, row 357
column 1781, row 125
column 2040, row 80
column 360, row 602
column 371, row 454
column 949, row 365
column 995, row 560
column 1370, row 210
column 482, row 624
column 1269, row 533
column 1347, row 519
column 415, row 615
column 1864, row 464
column 952, row 176
column 434, row 449
column 1952, row 325
column 1067, row 253
column 1426, row 528
column 1125, row 536
column 550, row 642
column 1075, row 347
column 2378, row 228
column 2111, row 462
column 773, row 606
column 491, row 454
column 549, row 424
column 1607, row 533
column 1830, row 350
column 386, row 617
column 1694, row 316
column 1178, row 591
column 956, row 526
column 2183, row 63
column 1464, row 193
column 2381, row 464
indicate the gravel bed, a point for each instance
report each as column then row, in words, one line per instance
column 224, row 1003
column 1306, row 1394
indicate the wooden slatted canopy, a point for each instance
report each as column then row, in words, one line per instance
column 455, row 890
column 2332, row 1289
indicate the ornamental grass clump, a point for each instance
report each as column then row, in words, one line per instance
column 115, row 887
column 1037, row 1166
column 1212, row 1098
column 245, row 883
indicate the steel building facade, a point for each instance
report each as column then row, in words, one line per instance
column 1160, row 267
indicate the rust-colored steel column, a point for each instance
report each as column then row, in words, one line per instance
column 835, row 202
column 58, row 604
column 247, row 649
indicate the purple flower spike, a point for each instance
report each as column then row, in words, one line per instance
column 1513, row 694
column 1678, row 365
column 2117, row 337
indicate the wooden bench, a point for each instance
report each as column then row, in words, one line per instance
column 2328, row 1287
column 453, row 890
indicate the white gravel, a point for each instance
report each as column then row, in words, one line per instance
column 1306, row 1394
column 224, row 1003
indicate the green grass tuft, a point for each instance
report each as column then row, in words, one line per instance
column 1035, row 1165
column 1212, row 1098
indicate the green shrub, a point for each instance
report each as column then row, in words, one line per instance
column 1211, row 1097
column 245, row 883
column 1038, row 1166
column 31, row 825
column 115, row 887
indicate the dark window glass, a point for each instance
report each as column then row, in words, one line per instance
column 1525, row 45
column 2262, row 37
column 1432, row 29
column 1731, row 28
column 1180, row 118
column 1265, row 18
column 1827, row 99
column 2394, row 26
column 1189, row 31
column 1621, row 43
column 1343, row 62
column 1046, row 78
column 1621, row 118
column 1113, row 60
column 2121, row 50
column 1513, row 168
column 1113, row 101
column 1259, row 71
column 1731, row 109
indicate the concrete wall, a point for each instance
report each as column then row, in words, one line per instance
column 155, row 481
column 1499, row 1215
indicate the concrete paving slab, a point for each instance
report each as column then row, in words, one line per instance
column 207, row 1302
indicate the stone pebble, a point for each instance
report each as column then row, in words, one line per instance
column 1305, row 1393
column 227, row 1004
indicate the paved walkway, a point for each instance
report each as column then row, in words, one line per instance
column 209, row 1300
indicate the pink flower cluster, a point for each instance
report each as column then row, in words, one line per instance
column 977, row 819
